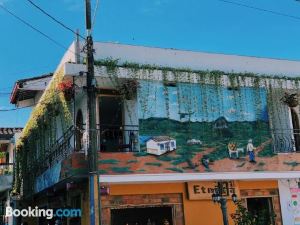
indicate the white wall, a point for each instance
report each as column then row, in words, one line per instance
column 287, row 213
column 196, row 60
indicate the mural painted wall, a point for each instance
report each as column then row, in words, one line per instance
column 74, row 165
column 187, row 127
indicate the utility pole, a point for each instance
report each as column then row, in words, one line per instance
column 91, row 120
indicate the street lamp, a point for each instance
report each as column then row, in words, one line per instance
column 221, row 191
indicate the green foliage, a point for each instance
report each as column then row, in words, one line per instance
column 108, row 161
column 121, row 169
column 175, row 169
column 132, row 161
column 140, row 154
column 292, row 163
column 2, row 155
column 166, row 158
column 243, row 217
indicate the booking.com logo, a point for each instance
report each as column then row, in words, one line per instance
column 47, row 213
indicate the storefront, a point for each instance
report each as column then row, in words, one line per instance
column 184, row 203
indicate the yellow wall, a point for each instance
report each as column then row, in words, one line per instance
column 196, row 212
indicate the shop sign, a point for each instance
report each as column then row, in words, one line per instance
column 203, row 190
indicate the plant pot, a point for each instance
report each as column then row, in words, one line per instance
column 68, row 95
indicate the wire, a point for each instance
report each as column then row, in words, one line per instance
column 32, row 27
column 40, row 32
column 54, row 19
column 260, row 9
column 95, row 13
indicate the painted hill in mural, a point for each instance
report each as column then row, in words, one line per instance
column 214, row 135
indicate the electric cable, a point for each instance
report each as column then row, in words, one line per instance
column 38, row 31
column 95, row 14
column 54, row 19
column 260, row 9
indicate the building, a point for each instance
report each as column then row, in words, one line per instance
column 159, row 145
column 7, row 145
column 147, row 92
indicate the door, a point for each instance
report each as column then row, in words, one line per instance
column 262, row 208
column 111, row 120
column 296, row 129
column 142, row 216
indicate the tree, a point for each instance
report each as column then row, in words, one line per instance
column 243, row 217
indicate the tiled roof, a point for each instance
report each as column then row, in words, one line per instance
column 10, row 130
column 161, row 138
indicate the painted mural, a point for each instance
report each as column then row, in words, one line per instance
column 186, row 127
column 74, row 165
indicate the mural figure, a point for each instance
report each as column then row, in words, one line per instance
column 251, row 149
column 205, row 161
column 234, row 150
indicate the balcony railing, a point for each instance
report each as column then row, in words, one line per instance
column 6, row 168
column 59, row 150
column 286, row 140
column 117, row 138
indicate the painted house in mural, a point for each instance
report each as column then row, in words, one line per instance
column 7, row 144
column 158, row 145
column 202, row 102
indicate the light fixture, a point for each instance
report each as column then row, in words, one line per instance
column 234, row 198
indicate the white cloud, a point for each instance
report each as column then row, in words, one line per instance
column 231, row 111
column 155, row 7
column 74, row 5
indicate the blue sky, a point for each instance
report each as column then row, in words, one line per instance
column 200, row 25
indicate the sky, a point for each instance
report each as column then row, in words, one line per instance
column 199, row 25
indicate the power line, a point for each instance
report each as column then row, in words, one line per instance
column 32, row 27
column 95, row 13
column 38, row 31
column 260, row 9
column 54, row 19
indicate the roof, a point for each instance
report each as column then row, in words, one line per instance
column 10, row 130
column 18, row 94
column 196, row 60
column 7, row 133
column 161, row 138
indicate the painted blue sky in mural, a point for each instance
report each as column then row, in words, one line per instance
column 201, row 102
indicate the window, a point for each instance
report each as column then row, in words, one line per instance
column 172, row 144
column 162, row 146
column 146, row 215
column 262, row 208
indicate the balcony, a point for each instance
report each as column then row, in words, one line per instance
column 114, row 138
column 6, row 178
column 286, row 140
column 6, row 168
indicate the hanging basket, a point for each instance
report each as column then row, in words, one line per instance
column 69, row 94
column 67, row 87
column 290, row 100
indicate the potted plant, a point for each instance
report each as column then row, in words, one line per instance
column 2, row 157
column 290, row 99
column 128, row 88
column 67, row 87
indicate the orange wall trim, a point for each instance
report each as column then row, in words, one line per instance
column 196, row 212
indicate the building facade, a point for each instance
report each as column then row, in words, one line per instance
column 7, row 145
column 171, row 125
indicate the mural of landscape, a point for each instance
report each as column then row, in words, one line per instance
column 186, row 127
